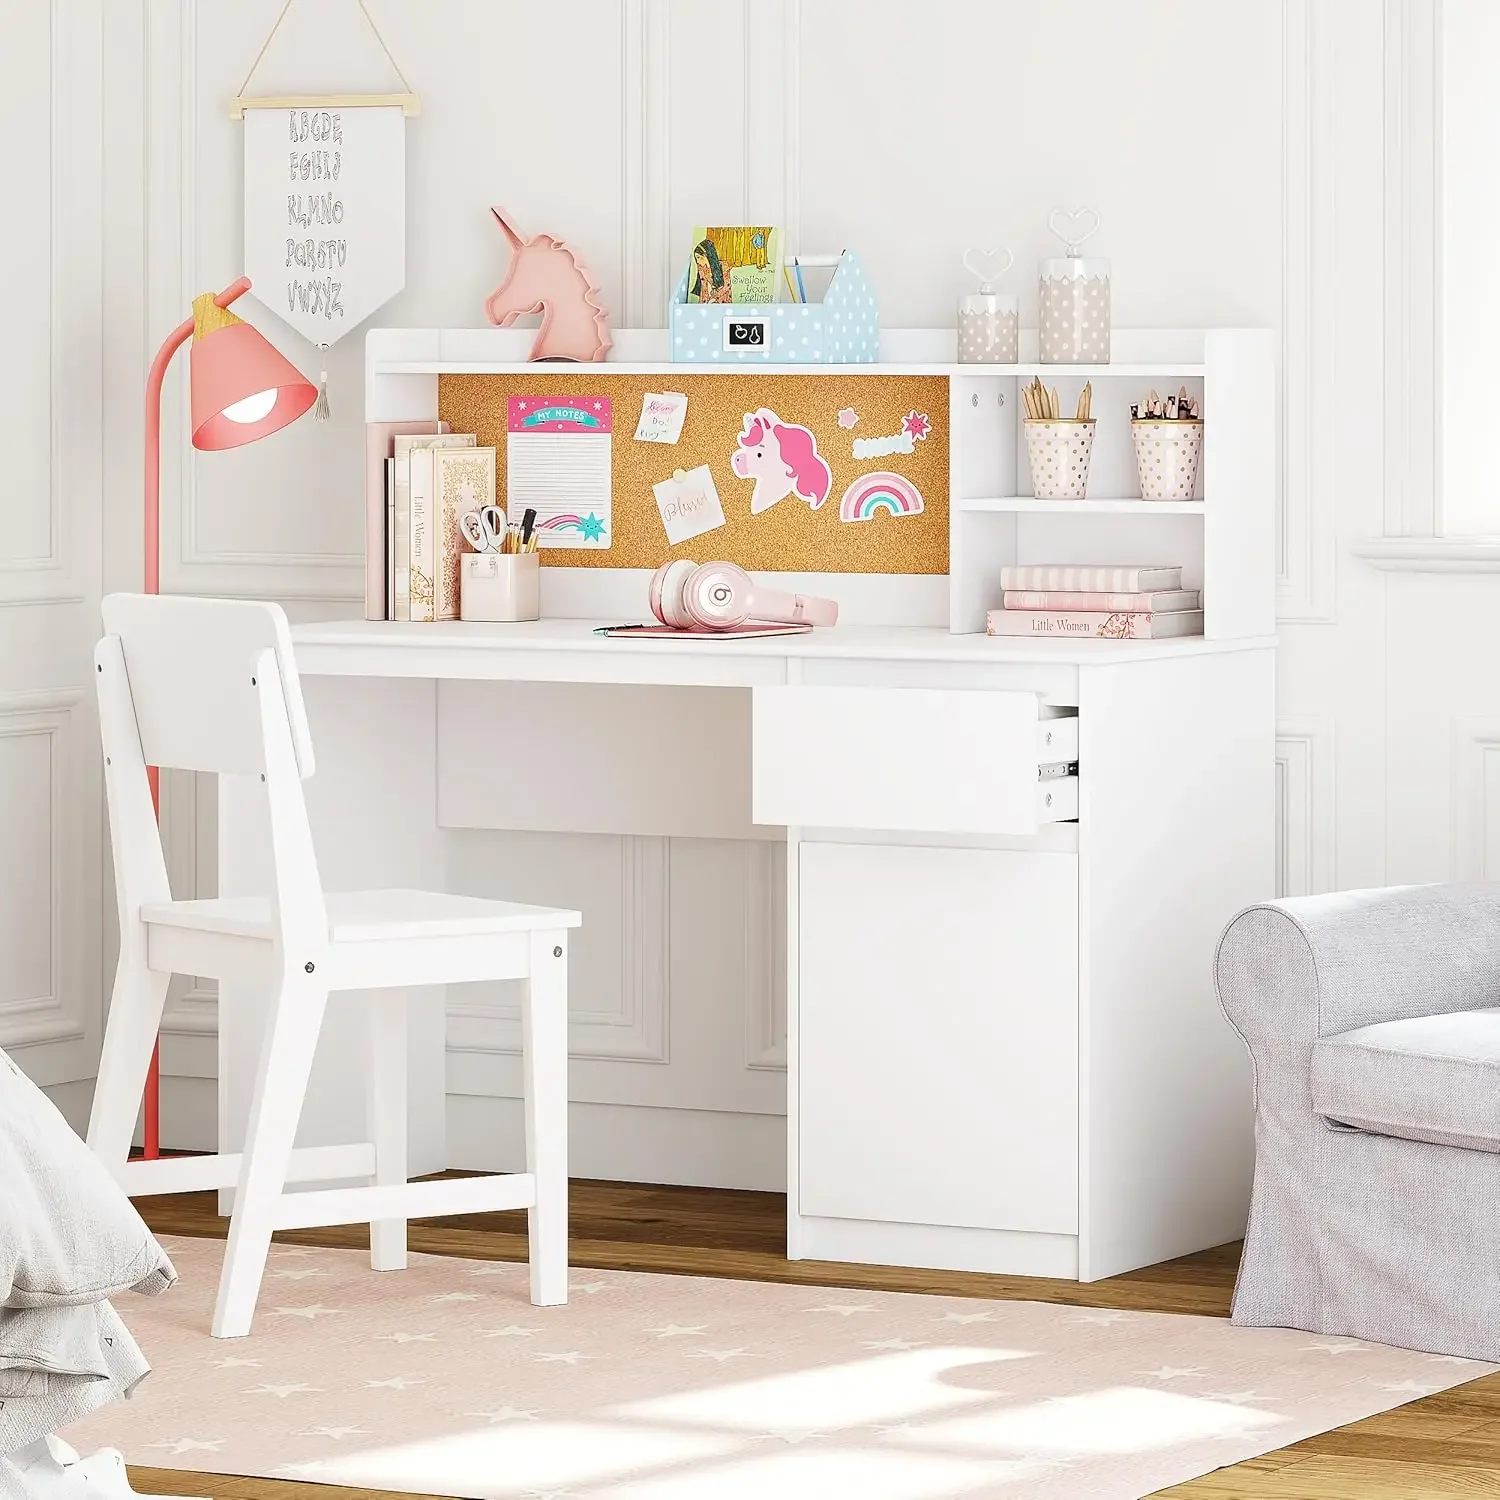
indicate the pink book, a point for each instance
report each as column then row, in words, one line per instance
column 1161, row 602
column 378, row 448
column 1120, row 625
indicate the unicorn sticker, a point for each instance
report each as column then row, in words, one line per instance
column 783, row 459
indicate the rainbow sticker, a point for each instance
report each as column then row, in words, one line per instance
column 880, row 493
column 590, row 527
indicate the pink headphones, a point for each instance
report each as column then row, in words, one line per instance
column 720, row 596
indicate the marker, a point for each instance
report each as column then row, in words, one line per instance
column 528, row 520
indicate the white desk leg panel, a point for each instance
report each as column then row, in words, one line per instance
column 372, row 807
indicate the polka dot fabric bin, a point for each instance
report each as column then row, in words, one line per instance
column 842, row 329
column 1059, row 454
column 1168, row 455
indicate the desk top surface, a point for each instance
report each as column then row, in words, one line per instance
column 569, row 650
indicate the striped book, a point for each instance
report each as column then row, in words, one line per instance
column 1091, row 579
column 1160, row 603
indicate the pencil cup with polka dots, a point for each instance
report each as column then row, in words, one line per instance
column 1059, row 452
column 1167, row 454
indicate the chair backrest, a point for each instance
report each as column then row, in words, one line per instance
column 205, row 685
column 191, row 663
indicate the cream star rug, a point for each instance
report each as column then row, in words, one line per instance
column 444, row 1379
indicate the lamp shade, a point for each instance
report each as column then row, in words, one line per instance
column 242, row 388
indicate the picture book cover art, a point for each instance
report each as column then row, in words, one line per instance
column 735, row 263
column 893, row 521
column 559, row 463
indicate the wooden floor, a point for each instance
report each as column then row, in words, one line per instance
column 1444, row 1446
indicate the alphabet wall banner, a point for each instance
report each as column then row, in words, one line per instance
column 325, row 214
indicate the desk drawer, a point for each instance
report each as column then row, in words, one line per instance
column 928, row 760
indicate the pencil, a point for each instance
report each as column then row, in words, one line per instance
column 787, row 272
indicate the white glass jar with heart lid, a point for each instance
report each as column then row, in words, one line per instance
column 1073, row 295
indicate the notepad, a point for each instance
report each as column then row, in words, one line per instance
column 559, row 462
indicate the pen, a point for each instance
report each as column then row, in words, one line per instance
column 801, row 289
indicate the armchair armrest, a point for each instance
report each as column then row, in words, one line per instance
column 1288, row 972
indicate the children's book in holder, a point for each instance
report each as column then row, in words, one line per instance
column 842, row 329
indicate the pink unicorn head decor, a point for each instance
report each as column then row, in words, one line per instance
column 546, row 277
column 783, row 459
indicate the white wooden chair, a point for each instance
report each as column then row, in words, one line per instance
column 211, row 685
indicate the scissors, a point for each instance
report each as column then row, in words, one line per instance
column 484, row 528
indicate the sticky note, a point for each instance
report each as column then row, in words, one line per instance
column 689, row 504
column 662, row 413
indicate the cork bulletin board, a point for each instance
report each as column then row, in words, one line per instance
column 899, row 424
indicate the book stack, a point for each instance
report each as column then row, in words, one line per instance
column 1100, row 601
column 420, row 479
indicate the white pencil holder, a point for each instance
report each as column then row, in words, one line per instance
column 500, row 586
column 1168, row 454
column 1060, row 452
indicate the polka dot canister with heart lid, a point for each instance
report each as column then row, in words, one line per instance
column 988, row 321
column 1073, row 295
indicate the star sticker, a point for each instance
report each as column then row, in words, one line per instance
column 917, row 424
column 1409, row 1388
column 395, row 1383
column 590, row 1287
column 845, row 1309
column 974, row 1317
column 1337, row 1348
column 571, row 1357
column 504, row 1414
column 598, row 406
column 336, row 1433
column 458, row 1297
column 283, row 1391
column 902, row 1344
column 296, row 1273
column 312, row 1310
column 720, row 1355
column 1102, row 1316
column 191, row 1445
column 234, row 1363
column 674, row 1330
column 847, row 417
column 1173, row 1372
column 513, row 1332
column 592, row 527
column 407, row 1338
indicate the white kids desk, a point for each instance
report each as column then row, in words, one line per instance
column 1003, row 1048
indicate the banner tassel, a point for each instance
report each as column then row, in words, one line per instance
column 320, row 411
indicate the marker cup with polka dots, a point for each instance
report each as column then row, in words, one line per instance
column 1060, row 452
column 1167, row 454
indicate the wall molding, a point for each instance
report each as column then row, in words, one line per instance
column 646, row 143
column 638, row 1027
column 1305, row 848
column 1413, row 338
column 74, row 268
column 765, row 955
column 1475, row 782
column 1306, row 556
column 59, row 1013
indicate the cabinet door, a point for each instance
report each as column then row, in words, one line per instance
column 937, row 1034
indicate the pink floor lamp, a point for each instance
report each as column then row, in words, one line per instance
column 242, row 389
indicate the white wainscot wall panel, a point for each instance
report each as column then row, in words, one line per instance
column 47, row 899
column 1304, row 806
column 1476, row 799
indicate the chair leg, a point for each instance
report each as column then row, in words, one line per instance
column 544, row 1022
column 387, row 1126
column 280, row 1086
column 129, row 1035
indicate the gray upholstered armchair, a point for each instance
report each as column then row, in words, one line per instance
column 1373, row 1023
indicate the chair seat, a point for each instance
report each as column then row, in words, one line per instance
column 368, row 916
column 1430, row 1078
